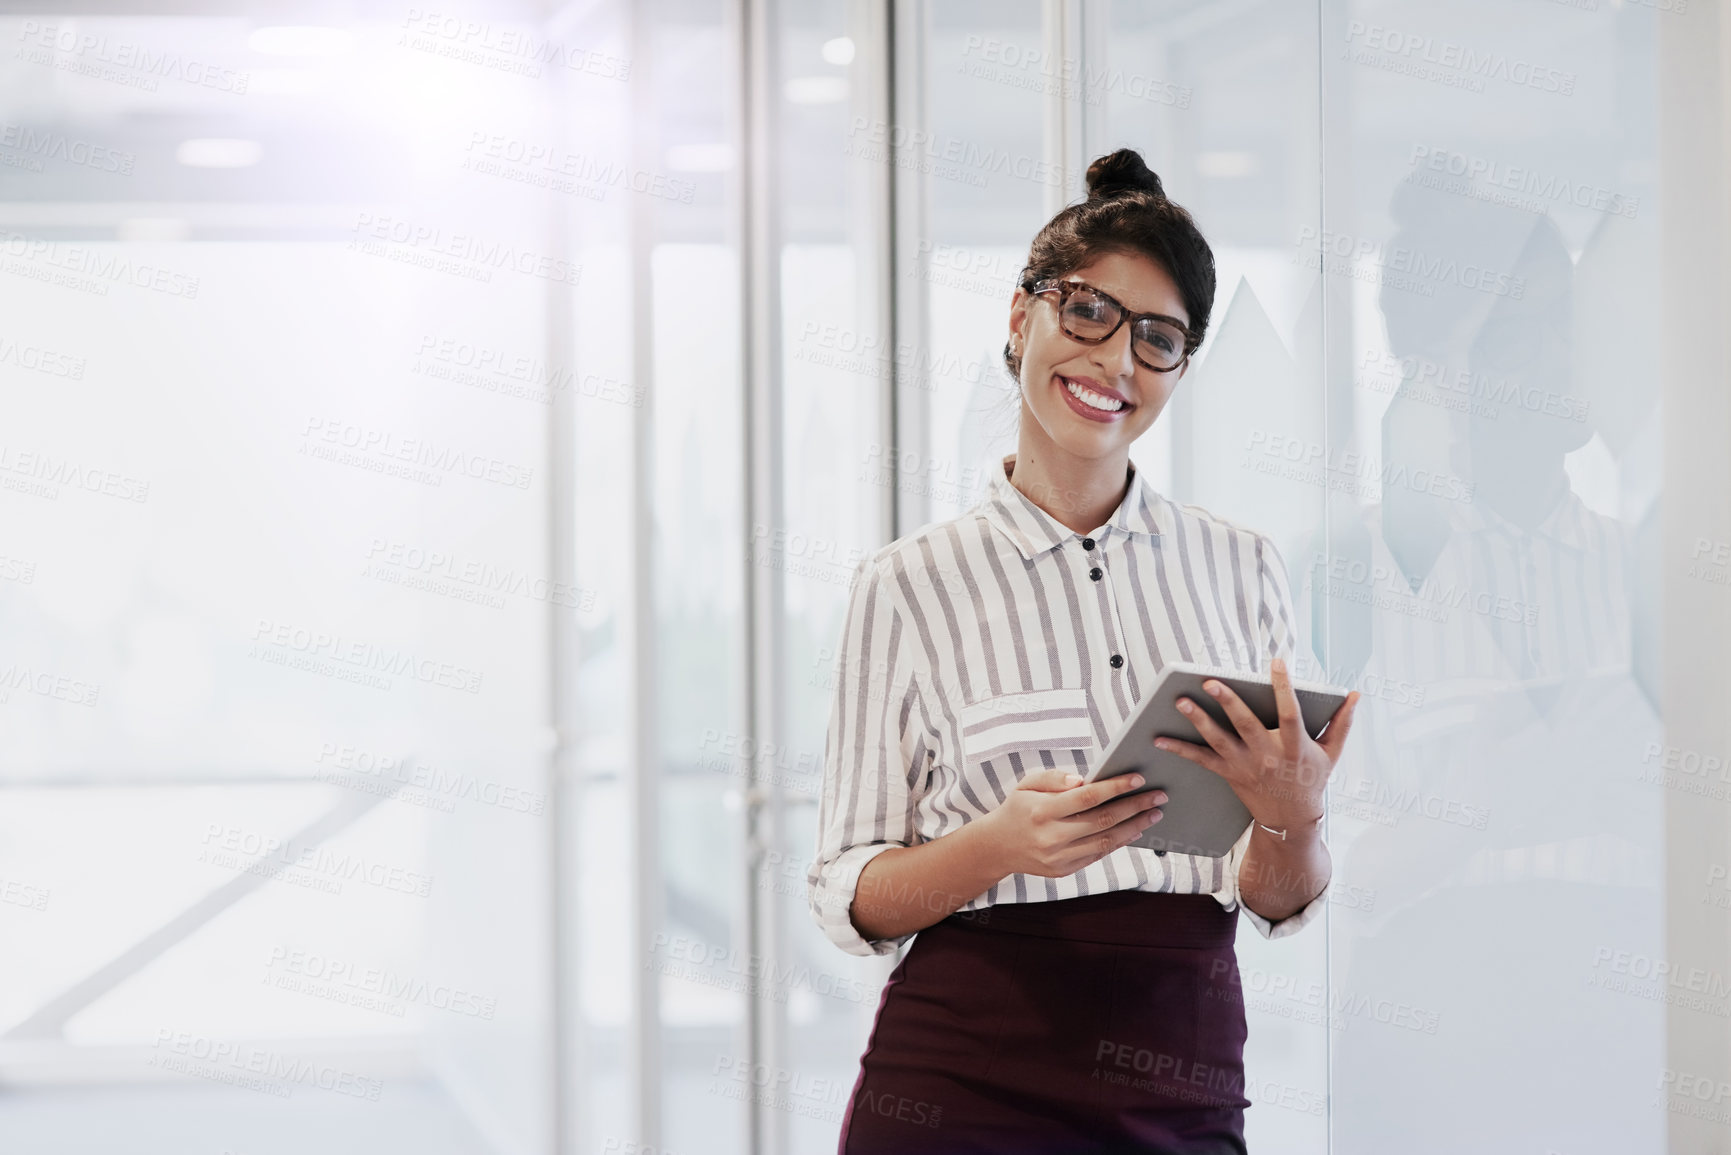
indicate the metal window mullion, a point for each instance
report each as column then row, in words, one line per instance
column 872, row 225
column 909, row 314
column 760, row 299
column 1062, row 29
column 1693, row 354
column 1093, row 63
column 644, row 1061
column 1337, row 419
column 569, row 1052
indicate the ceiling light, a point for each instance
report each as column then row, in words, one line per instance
column 218, row 152
column 838, row 51
column 300, row 40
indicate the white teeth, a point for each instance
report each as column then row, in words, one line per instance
column 1091, row 399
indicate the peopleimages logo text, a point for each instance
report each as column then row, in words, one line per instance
column 365, row 656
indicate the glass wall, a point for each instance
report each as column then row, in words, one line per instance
column 277, row 481
column 835, row 471
column 1490, row 233
column 654, row 712
column 437, row 450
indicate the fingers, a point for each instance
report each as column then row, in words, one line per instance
column 1130, row 829
column 1092, row 847
column 1211, row 731
column 1334, row 737
column 1108, row 815
column 1201, row 755
column 1248, row 725
column 1049, row 778
column 1075, row 841
column 1095, row 793
column 1286, row 706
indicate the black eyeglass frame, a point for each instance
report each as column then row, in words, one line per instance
column 1064, row 288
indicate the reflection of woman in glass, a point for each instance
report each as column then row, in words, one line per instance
column 1067, row 990
column 1511, row 610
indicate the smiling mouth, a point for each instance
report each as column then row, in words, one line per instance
column 1092, row 399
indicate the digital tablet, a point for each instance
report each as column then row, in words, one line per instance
column 1202, row 815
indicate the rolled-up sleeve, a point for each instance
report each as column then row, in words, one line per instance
column 873, row 758
column 1278, row 623
column 1292, row 923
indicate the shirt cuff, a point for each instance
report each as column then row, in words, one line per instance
column 1292, row 923
column 830, row 892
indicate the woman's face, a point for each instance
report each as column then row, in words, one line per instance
column 1053, row 363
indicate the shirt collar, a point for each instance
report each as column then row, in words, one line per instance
column 1034, row 531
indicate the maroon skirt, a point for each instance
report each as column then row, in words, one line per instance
column 1108, row 1023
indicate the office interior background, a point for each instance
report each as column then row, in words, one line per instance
column 438, row 440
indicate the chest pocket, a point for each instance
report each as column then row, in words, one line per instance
column 1011, row 735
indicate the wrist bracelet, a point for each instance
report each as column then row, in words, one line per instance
column 1282, row 833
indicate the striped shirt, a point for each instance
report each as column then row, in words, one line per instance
column 981, row 648
column 1512, row 658
column 1500, row 604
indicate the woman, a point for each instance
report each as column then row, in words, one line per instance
column 1067, row 991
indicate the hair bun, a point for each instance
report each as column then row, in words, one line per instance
column 1121, row 172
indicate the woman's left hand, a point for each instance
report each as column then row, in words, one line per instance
column 1279, row 774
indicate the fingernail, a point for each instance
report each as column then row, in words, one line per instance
column 1185, row 705
column 1212, row 688
column 1159, row 797
column 1137, row 780
column 1072, row 779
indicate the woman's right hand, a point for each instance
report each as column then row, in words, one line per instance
column 1053, row 826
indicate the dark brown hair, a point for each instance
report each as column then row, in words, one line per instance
column 1126, row 211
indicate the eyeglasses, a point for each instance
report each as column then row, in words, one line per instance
column 1090, row 316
